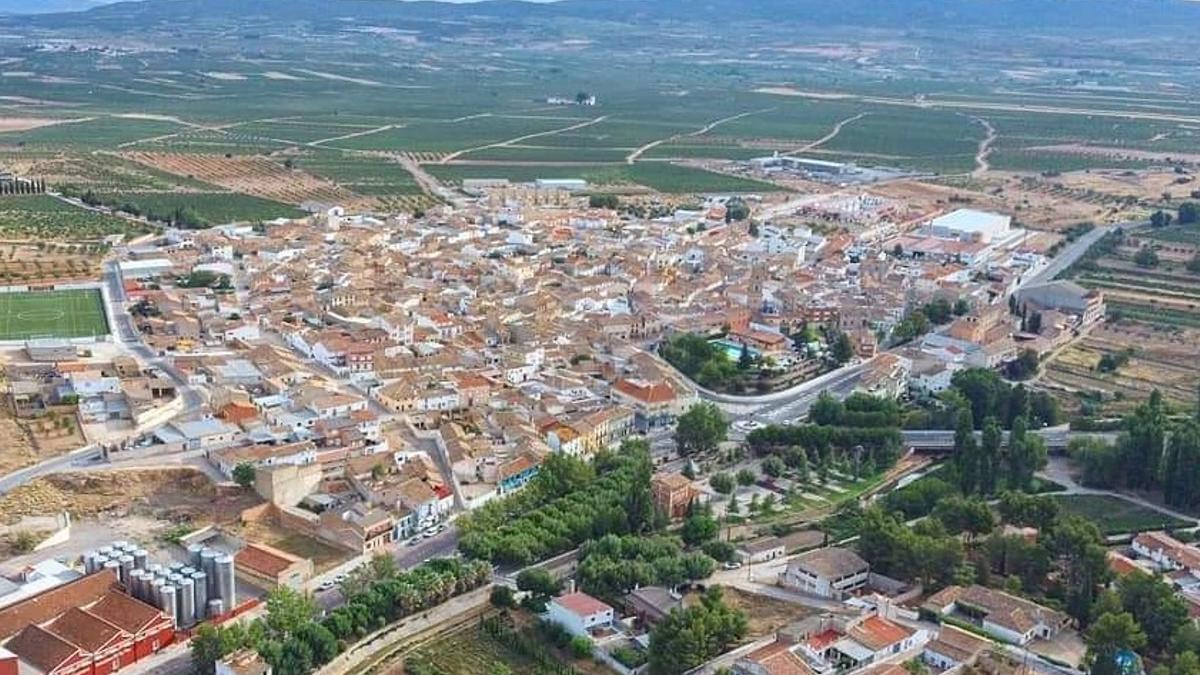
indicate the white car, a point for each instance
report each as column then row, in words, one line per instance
column 415, row 540
column 732, row 565
column 325, row 586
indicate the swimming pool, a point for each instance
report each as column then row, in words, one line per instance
column 732, row 349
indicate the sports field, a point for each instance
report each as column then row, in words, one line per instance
column 61, row 314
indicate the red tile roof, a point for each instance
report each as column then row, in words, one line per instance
column 581, row 604
column 46, row 605
column 264, row 560
column 83, row 629
column 42, row 649
column 125, row 612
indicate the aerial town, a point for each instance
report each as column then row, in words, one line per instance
column 804, row 412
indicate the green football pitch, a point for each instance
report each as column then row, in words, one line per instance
column 57, row 314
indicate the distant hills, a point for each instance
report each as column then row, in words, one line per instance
column 1041, row 15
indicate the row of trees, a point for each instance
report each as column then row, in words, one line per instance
column 571, row 504
column 986, row 465
column 181, row 216
column 988, row 396
column 612, row 566
column 294, row 642
column 1152, row 453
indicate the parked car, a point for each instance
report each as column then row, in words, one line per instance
column 732, row 566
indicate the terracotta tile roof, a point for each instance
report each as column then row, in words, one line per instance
column 581, row 604
column 777, row 659
column 264, row 560
column 958, row 644
column 646, row 392
column 45, row 606
column 124, row 612
column 877, row 633
column 84, row 629
column 41, row 648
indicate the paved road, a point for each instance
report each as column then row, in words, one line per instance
column 1071, row 253
column 792, row 405
column 1055, row 438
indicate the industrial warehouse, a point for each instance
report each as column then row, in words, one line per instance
column 124, row 608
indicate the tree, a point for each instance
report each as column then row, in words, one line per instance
column 840, row 348
column 1181, row 469
column 960, row 514
column 1155, row 607
column 773, row 466
column 699, row 527
column 961, row 307
column 1160, row 219
column 1146, row 257
column 1189, row 213
column 746, row 477
column 244, row 475
column 721, row 482
column 1109, row 635
column 701, row 429
column 581, row 647
column 540, row 585
column 604, row 201
column 687, row 638
column 288, row 611
column 745, row 359
column 736, row 210
column 502, row 597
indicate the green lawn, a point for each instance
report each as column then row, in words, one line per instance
column 60, row 314
column 1114, row 515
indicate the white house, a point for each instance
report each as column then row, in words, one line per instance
column 827, row 572
column 579, row 613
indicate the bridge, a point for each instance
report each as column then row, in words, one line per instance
column 1056, row 438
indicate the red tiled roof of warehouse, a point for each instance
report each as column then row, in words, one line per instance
column 125, row 612
column 48, row 604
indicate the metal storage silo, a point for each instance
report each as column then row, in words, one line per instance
column 119, row 546
column 175, row 566
column 170, row 606
column 200, row 590
column 215, row 608
column 193, row 553
column 126, row 562
column 225, row 580
column 89, row 561
column 154, row 568
column 114, row 566
column 141, row 557
column 187, row 602
column 135, row 582
column 208, row 565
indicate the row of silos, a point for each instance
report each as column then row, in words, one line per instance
column 218, row 567
column 188, row 593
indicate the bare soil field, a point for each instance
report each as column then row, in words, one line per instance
column 1143, row 185
column 765, row 615
column 174, row 495
column 8, row 124
column 255, row 176
column 323, row 556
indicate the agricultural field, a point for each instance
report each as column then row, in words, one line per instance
column 213, row 208
column 42, row 217
column 256, row 176
column 1158, row 358
column 454, row 135
column 91, row 133
column 28, row 262
column 1114, row 515
column 61, row 314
